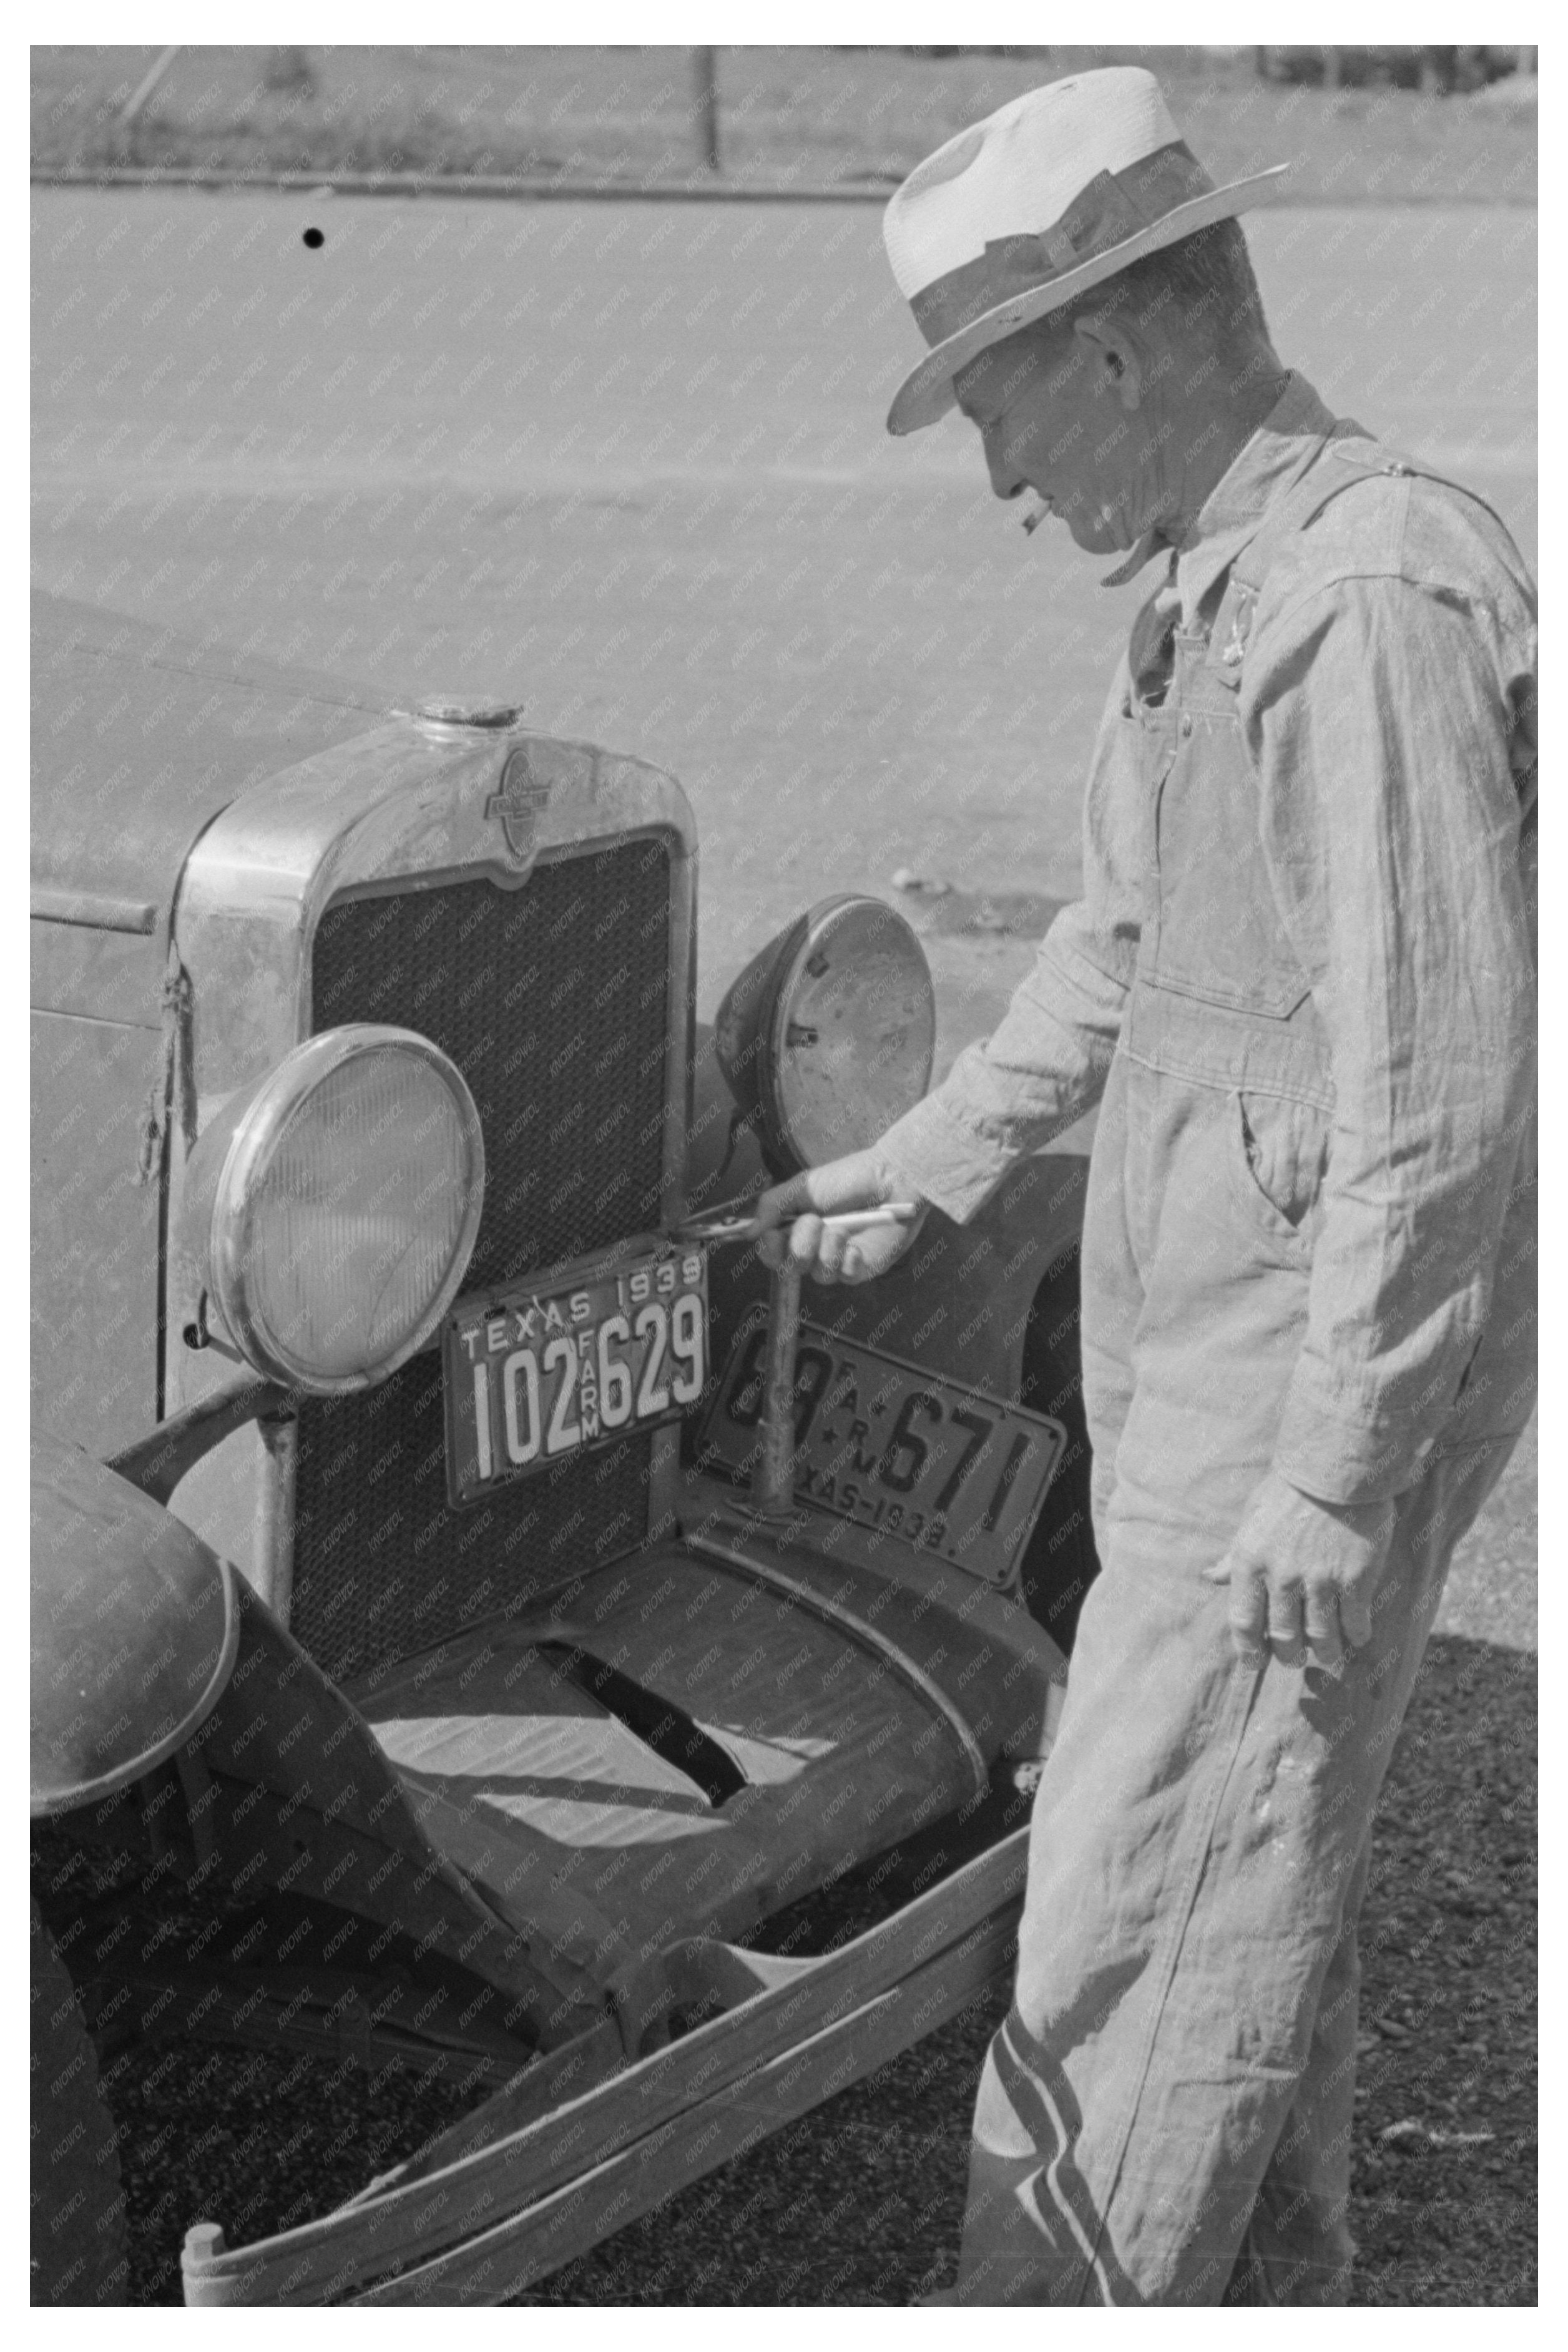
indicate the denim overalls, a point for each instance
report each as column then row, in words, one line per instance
column 1174, row 2086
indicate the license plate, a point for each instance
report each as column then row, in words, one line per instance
column 926, row 1461
column 534, row 1375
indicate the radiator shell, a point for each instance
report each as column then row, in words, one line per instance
column 386, row 881
column 551, row 999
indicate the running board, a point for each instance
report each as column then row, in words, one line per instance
column 533, row 2179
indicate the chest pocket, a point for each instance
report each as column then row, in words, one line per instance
column 1217, row 934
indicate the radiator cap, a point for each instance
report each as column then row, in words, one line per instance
column 446, row 714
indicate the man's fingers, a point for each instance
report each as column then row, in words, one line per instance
column 1286, row 1622
column 1249, row 1609
column 1303, row 1575
column 805, row 1240
column 1357, row 1589
column 1355, row 1611
column 830, row 1249
column 1287, row 1636
column 802, row 1218
column 782, row 1202
column 774, row 1211
column 1324, row 1637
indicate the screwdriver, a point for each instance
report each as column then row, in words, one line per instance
column 848, row 1221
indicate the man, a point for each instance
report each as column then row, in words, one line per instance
column 1300, row 982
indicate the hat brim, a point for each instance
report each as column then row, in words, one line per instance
column 927, row 394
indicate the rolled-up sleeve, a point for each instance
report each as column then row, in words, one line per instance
column 1380, row 714
column 1046, row 1062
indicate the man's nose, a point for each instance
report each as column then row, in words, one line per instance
column 1007, row 480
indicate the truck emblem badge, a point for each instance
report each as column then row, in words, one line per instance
column 520, row 804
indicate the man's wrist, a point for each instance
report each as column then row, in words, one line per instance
column 933, row 1157
column 895, row 1185
column 1328, row 1449
column 1355, row 1513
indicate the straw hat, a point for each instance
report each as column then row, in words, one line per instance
column 1052, row 193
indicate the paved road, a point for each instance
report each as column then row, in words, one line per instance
column 628, row 462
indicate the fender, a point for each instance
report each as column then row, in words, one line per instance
column 147, row 1646
column 994, row 1304
column 960, row 1300
column 135, row 1630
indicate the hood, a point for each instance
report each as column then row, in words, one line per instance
column 140, row 735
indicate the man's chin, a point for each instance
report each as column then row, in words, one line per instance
column 1097, row 534
column 1096, row 530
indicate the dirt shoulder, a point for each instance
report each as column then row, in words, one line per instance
column 795, row 116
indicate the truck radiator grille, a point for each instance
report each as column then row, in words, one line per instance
column 553, row 1001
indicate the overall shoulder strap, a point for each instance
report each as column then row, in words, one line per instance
column 1352, row 458
column 1298, row 495
column 1334, row 465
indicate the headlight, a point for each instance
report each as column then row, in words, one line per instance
column 828, row 1034
column 344, row 1206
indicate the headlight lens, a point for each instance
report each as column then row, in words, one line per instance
column 829, row 1033
column 347, row 1207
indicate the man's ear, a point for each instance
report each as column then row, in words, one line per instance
column 1115, row 355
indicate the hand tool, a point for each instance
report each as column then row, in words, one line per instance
column 848, row 1221
column 771, row 1495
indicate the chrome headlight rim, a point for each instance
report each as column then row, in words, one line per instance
column 805, row 941
column 280, row 1100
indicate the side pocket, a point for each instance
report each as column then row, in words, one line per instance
column 1278, row 1159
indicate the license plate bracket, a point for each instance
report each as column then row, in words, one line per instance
column 571, row 1360
column 903, row 1451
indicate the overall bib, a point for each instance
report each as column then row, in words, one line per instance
column 1174, row 2086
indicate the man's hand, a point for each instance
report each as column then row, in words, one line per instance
column 1302, row 1573
column 860, row 1180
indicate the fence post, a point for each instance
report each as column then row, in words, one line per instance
column 705, row 63
column 146, row 86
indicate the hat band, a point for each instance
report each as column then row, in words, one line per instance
column 1113, row 207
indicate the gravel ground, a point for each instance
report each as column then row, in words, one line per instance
column 261, row 2139
column 861, row 2201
